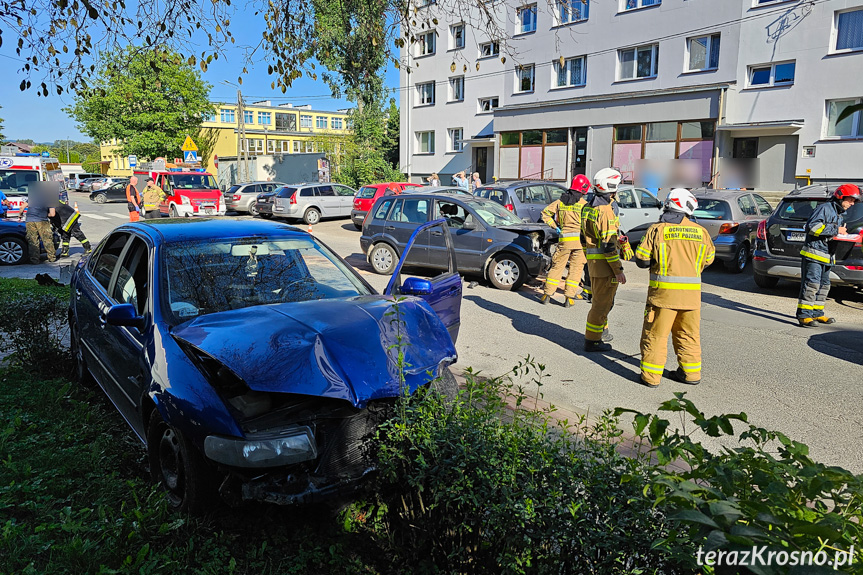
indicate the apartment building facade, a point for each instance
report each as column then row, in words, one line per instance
column 269, row 130
column 580, row 85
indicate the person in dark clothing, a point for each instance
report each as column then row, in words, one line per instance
column 67, row 223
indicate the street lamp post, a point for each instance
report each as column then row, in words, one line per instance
column 242, row 143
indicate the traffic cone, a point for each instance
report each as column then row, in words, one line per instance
column 310, row 228
column 76, row 207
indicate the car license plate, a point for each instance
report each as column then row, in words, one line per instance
column 208, row 211
column 796, row 236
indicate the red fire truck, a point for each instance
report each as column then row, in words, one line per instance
column 190, row 191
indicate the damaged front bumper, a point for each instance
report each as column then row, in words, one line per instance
column 303, row 489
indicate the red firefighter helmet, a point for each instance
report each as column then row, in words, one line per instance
column 846, row 191
column 580, row 184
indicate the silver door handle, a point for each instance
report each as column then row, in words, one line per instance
column 77, row 294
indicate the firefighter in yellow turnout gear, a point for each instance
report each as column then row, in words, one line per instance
column 600, row 226
column 676, row 250
column 564, row 215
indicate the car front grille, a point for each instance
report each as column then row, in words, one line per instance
column 345, row 443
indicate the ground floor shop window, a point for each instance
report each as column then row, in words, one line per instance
column 534, row 154
column 661, row 141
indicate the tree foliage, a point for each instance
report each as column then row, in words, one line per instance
column 149, row 102
column 391, row 138
column 2, row 137
column 363, row 159
column 206, row 139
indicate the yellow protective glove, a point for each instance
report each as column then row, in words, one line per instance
column 624, row 248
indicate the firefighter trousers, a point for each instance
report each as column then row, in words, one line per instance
column 74, row 232
column 604, row 289
column 685, row 329
column 574, row 256
column 814, row 287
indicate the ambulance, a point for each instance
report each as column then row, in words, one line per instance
column 18, row 171
column 189, row 191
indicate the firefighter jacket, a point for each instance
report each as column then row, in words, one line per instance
column 600, row 226
column 822, row 226
column 567, row 217
column 65, row 217
column 677, row 250
column 152, row 197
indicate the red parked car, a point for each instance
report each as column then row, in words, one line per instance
column 368, row 195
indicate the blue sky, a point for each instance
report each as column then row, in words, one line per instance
column 26, row 115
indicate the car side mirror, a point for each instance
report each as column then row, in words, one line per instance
column 124, row 314
column 416, row 286
column 469, row 225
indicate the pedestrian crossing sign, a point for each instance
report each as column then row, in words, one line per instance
column 190, row 157
column 189, row 145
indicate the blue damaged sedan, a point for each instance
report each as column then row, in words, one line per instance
column 250, row 360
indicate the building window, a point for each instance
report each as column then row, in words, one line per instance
column 524, row 80
column 572, row 73
column 691, row 140
column 271, row 146
column 456, row 34
column 305, row 121
column 456, row 89
column 569, row 11
column 781, row 74
column 336, row 123
column 425, row 142
column 425, row 94
column 310, row 147
column 488, row 104
column 286, row 122
column 634, row 4
column 254, row 146
column 209, row 116
column 297, row 147
column 534, row 154
column 703, row 53
column 248, row 117
column 849, row 30
column 455, row 139
column 227, row 116
column 265, row 118
column 488, row 49
column 526, row 19
column 641, row 62
column 285, row 146
column 426, row 44
column 849, row 127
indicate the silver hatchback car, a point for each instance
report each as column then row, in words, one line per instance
column 241, row 197
column 309, row 202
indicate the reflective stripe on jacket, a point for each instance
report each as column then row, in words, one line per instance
column 153, row 197
column 568, row 219
column 600, row 228
column 677, row 253
column 821, row 227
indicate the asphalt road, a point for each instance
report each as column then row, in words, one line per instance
column 756, row 359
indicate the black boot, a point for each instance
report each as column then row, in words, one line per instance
column 64, row 251
column 591, row 346
column 87, row 248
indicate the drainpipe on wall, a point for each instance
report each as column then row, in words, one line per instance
column 409, row 136
column 721, row 120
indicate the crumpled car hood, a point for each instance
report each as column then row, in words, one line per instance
column 548, row 234
column 337, row 348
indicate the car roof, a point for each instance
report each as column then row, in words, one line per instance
column 467, row 198
column 259, row 182
column 436, row 189
column 719, row 194
column 815, row 191
column 171, row 230
column 515, row 183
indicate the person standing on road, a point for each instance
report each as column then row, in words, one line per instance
column 676, row 250
column 133, row 199
column 38, row 227
column 68, row 224
column 600, row 226
column 152, row 196
column 564, row 215
column 826, row 222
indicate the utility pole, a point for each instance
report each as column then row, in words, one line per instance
column 242, row 143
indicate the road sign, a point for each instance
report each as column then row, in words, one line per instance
column 190, row 157
column 189, row 145
column 45, row 154
column 133, row 161
column 215, row 161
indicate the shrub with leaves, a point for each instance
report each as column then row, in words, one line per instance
column 34, row 324
column 483, row 484
column 763, row 491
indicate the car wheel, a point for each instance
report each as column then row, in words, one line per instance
column 445, row 384
column 266, row 216
column 383, row 259
column 741, row 258
column 173, row 212
column 12, row 251
column 181, row 470
column 766, row 282
column 253, row 211
column 507, row 272
column 312, row 216
column 100, row 198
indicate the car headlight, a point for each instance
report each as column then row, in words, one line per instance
column 185, row 200
column 535, row 244
column 291, row 445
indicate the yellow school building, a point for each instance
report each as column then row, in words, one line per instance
column 279, row 129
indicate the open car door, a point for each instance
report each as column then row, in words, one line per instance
column 442, row 292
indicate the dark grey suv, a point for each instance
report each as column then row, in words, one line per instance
column 780, row 237
column 489, row 240
column 526, row 199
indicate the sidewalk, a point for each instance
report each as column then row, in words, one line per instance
column 28, row 271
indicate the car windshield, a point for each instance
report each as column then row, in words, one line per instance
column 800, row 210
column 712, row 210
column 17, row 182
column 210, row 276
column 494, row 214
column 366, row 192
column 193, row 182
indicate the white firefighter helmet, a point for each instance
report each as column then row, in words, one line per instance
column 606, row 181
column 681, row 200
